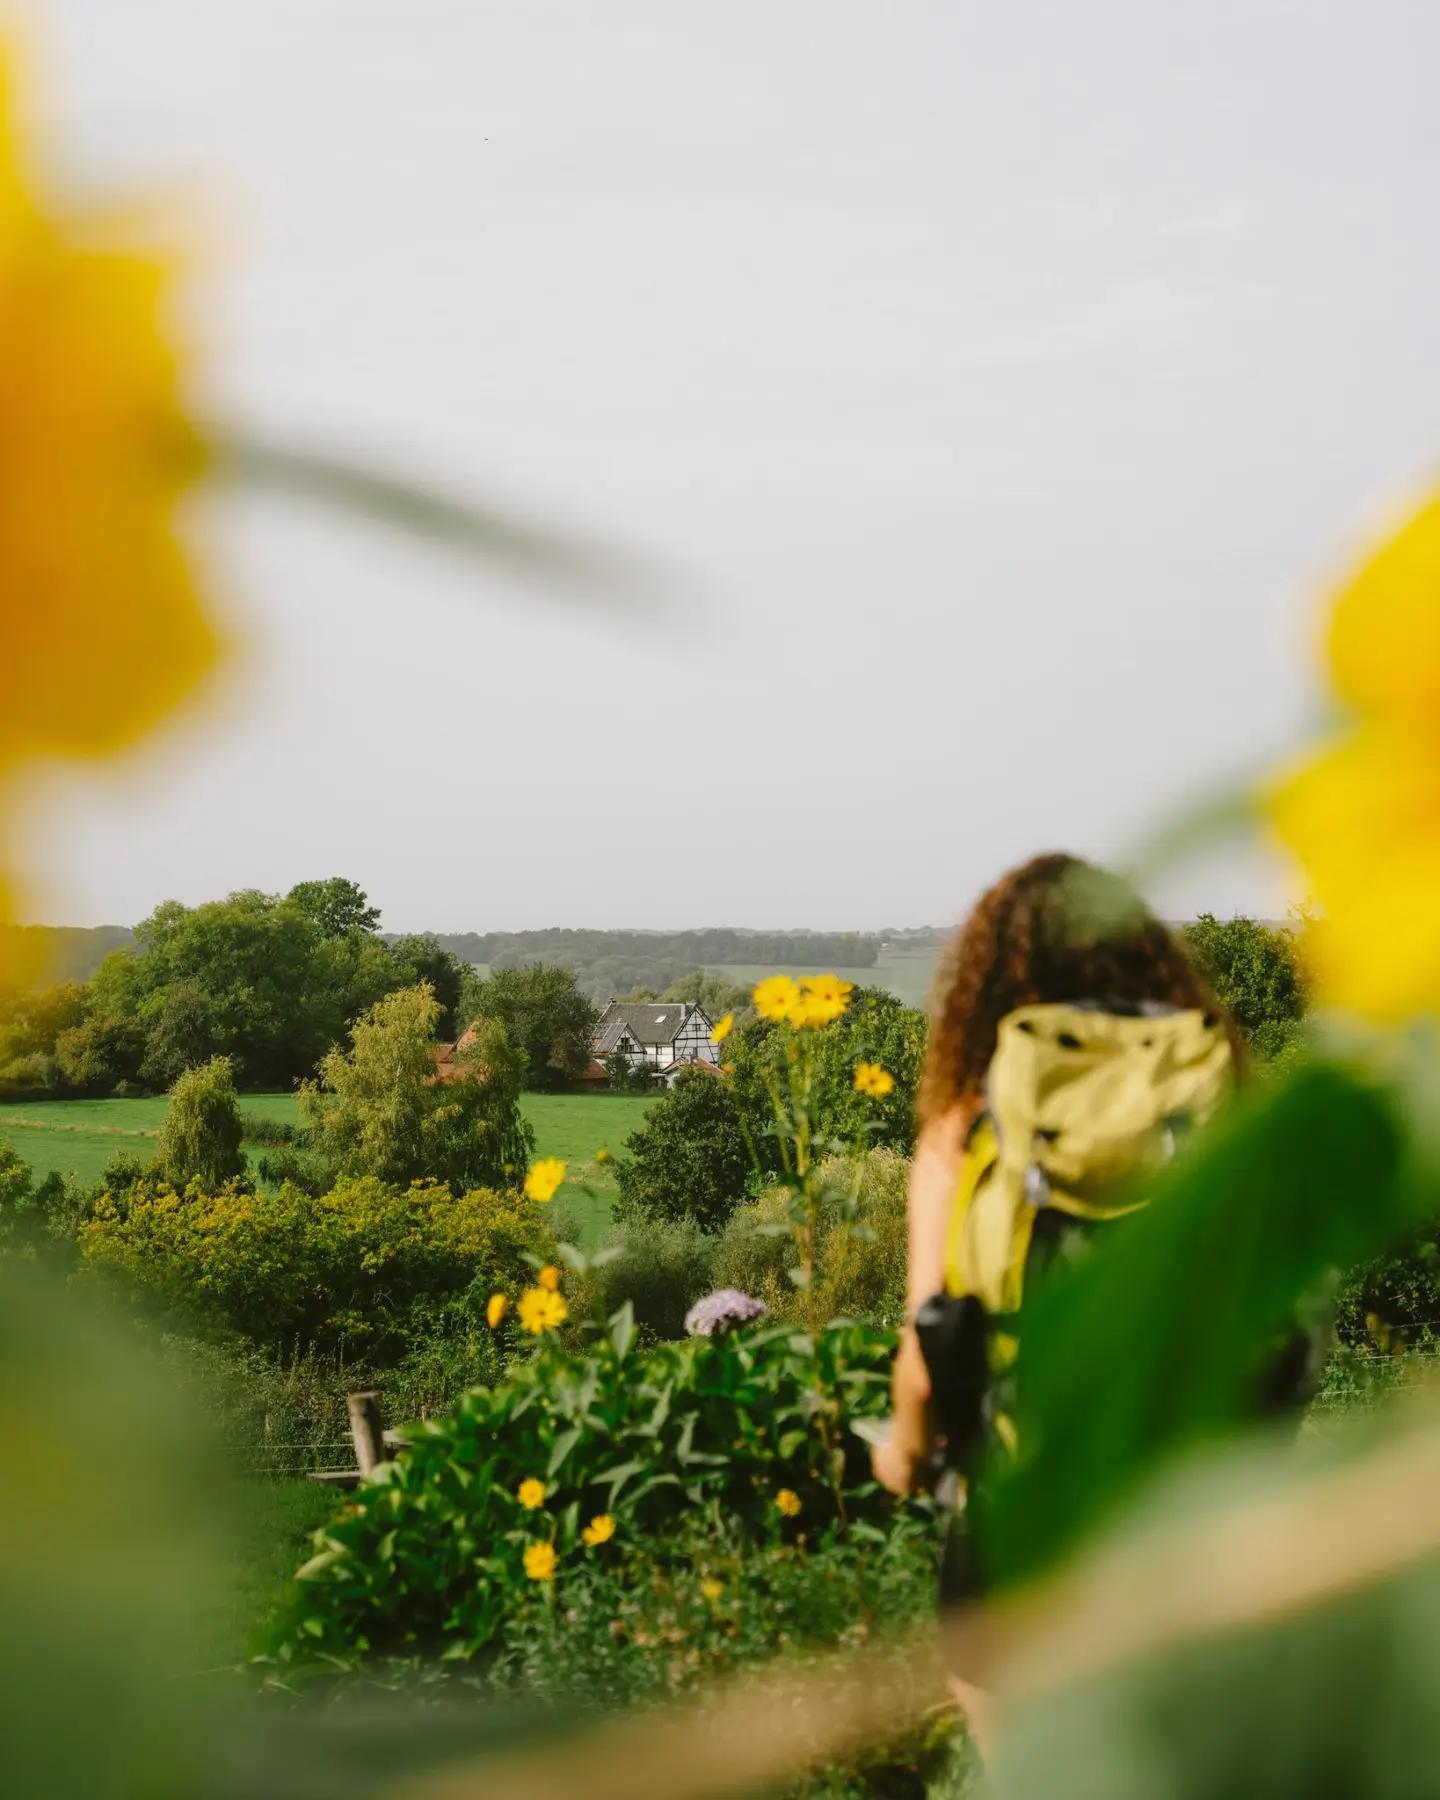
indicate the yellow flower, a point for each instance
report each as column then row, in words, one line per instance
column 719, row 1033
column 540, row 1310
column 549, row 1277
column 531, row 1493
column 711, row 1588
column 496, row 1310
column 1363, row 813
column 871, row 1079
column 540, row 1562
column 543, row 1178
column 788, row 1501
column 602, row 1155
column 776, row 998
column 600, row 1530
column 824, row 997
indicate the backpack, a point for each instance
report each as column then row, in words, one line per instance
column 1081, row 1099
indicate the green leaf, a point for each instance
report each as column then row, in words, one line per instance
column 1160, row 1336
column 562, row 1447
column 571, row 1257
column 622, row 1329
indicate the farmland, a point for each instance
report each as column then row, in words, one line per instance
column 79, row 1137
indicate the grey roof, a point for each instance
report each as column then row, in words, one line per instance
column 647, row 1021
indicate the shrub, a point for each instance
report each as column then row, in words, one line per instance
column 260, row 1128
column 745, row 1434
column 690, row 1159
column 662, row 1269
column 362, row 1271
column 860, row 1273
column 386, row 1115
column 1257, row 975
column 199, row 1137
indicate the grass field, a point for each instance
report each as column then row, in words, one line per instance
column 79, row 1137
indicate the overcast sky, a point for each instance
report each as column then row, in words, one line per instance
column 1008, row 377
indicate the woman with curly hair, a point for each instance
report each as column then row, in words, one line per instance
column 1067, row 953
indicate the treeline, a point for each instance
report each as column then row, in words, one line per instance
column 607, row 963
column 272, row 982
column 61, row 952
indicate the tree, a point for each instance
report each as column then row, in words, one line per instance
column 1256, row 974
column 546, row 1018
column 876, row 1028
column 337, row 908
column 381, row 1110
column 102, row 1051
column 690, row 1159
column 199, row 1137
column 714, row 994
column 422, row 959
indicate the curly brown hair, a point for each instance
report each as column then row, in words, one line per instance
column 1056, row 928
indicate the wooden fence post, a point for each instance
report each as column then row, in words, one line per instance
column 366, row 1430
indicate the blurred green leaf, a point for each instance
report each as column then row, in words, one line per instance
column 1160, row 1337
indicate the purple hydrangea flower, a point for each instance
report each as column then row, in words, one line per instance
column 721, row 1311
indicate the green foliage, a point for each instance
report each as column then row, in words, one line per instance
column 1161, row 1338
column 363, row 1271
column 420, row 959
column 381, row 1111
column 626, row 1077
column 690, row 1159
column 199, row 1138
column 714, row 994
column 428, row 1558
column 32, row 1022
column 876, row 1028
column 337, row 908
column 860, row 1248
column 545, row 1017
column 662, row 1268
column 1257, row 974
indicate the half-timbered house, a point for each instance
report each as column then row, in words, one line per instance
column 662, row 1035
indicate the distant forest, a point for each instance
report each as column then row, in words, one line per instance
column 605, row 962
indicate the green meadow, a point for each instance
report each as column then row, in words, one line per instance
column 79, row 1137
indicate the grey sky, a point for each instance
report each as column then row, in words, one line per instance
column 1008, row 374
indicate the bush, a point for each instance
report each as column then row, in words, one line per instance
column 260, row 1128
column 662, row 1269
column 861, row 1274
column 362, row 1271
column 745, row 1434
column 875, row 1028
column 1257, row 976
column 690, row 1159
column 199, row 1137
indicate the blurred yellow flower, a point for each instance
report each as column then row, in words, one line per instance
column 1363, row 813
column 871, row 1079
column 776, row 998
column 549, row 1277
column 101, row 630
column 540, row 1310
column 600, row 1530
column 543, row 1178
column 496, row 1309
column 711, row 1588
column 825, row 997
column 540, row 1562
column 531, row 1493
column 722, row 1030
column 788, row 1501
column 602, row 1155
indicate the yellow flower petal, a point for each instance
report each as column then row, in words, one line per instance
column 531, row 1493
column 543, row 1178
column 1385, row 630
column 719, row 1032
column 549, row 1277
column 600, row 1530
column 788, row 1501
column 541, row 1310
column 540, row 1562
column 496, row 1310
column 776, row 998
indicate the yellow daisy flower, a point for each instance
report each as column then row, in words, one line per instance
column 540, row 1310
column 540, row 1562
column 600, row 1530
column 711, row 1588
column 531, row 1493
column 776, row 998
column 788, row 1502
column 549, row 1277
column 1363, row 813
column 496, row 1309
column 871, row 1079
column 719, row 1032
column 543, row 1178
column 823, row 998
